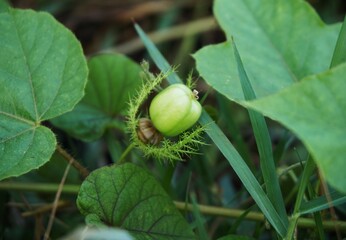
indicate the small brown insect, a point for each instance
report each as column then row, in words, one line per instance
column 147, row 133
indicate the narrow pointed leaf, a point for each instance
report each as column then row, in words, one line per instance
column 307, row 172
column 339, row 55
column 322, row 203
column 264, row 144
column 315, row 110
column 162, row 64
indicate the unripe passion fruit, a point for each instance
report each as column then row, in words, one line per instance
column 174, row 110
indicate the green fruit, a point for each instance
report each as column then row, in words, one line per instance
column 174, row 110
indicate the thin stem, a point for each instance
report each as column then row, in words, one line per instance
column 331, row 207
column 205, row 209
column 56, row 201
column 307, row 172
column 45, row 208
column 291, row 167
column 123, row 156
column 38, row 187
column 82, row 170
column 256, row 216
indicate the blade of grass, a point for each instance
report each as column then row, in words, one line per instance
column 317, row 215
column 308, row 170
column 263, row 142
column 221, row 141
column 160, row 62
column 232, row 127
column 322, row 203
column 244, row 173
column 339, row 55
column 202, row 233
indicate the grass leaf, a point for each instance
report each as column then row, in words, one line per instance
column 264, row 144
column 339, row 55
column 308, row 170
column 322, row 203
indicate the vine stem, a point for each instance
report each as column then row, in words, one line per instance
column 123, row 156
column 255, row 216
column 82, row 170
column 205, row 209
column 45, row 208
column 38, row 187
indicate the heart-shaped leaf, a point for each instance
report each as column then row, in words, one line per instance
column 113, row 79
column 280, row 42
column 42, row 75
column 128, row 197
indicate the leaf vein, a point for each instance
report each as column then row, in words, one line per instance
column 17, row 135
column 158, row 220
column 17, row 118
column 294, row 77
column 98, row 197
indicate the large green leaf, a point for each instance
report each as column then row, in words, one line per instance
column 127, row 196
column 42, row 75
column 279, row 42
column 113, row 79
column 315, row 109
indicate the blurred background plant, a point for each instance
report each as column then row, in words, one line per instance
column 178, row 28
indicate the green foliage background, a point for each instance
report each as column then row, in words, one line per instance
column 276, row 59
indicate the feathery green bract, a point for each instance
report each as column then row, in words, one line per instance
column 168, row 150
